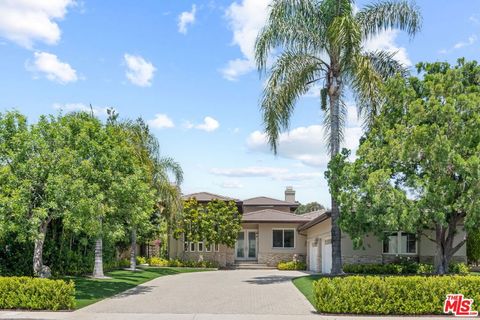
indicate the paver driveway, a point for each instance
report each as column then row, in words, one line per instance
column 212, row 292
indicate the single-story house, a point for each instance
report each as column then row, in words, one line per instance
column 272, row 232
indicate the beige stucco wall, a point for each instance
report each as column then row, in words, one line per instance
column 372, row 248
column 426, row 247
column 224, row 257
column 272, row 256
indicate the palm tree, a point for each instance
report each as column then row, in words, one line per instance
column 321, row 43
column 159, row 168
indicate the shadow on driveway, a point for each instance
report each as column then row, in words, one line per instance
column 270, row 279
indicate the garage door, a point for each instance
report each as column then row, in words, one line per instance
column 327, row 256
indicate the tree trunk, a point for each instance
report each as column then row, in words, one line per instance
column 133, row 250
column 334, row 92
column 98, row 266
column 38, row 250
column 444, row 238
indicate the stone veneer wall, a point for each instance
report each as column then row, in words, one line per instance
column 224, row 257
column 272, row 259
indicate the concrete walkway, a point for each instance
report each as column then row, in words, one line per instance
column 216, row 295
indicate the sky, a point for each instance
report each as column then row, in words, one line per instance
column 187, row 69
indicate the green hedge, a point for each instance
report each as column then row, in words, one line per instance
column 292, row 265
column 36, row 294
column 391, row 294
column 401, row 268
column 160, row 262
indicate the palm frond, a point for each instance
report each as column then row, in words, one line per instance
column 291, row 24
column 291, row 77
column 390, row 14
column 385, row 64
column 344, row 37
column 366, row 83
column 168, row 165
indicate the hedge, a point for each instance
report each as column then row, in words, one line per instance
column 36, row 294
column 160, row 262
column 413, row 295
column 292, row 265
column 401, row 268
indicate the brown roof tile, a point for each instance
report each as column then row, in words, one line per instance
column 266, row 201
column 271, row 215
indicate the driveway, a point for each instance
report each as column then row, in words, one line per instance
column 214, row 292
column 212, row 295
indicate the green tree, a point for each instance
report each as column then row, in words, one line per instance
column 418, row 168
column 166, row 190
column 473, row 246
column 320, row 43
column 309, row 207
column 217, row 222
column 41, row 174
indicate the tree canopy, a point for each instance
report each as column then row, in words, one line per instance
column 418, row 167
column 309, row 207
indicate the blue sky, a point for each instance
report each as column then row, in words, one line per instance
column 186, row 67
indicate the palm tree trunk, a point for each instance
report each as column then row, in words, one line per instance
column 133, row 250
column 98, row 266
column 334, row 92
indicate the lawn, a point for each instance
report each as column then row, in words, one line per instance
column 88, row 290
column 305, row 285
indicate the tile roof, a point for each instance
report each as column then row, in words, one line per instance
column 207, row 196
column 266, row 201
column 271, row 215
column 320, row 218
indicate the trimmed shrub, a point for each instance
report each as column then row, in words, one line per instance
column 292, row 265
column 392, row 294
column 36, row 294
column 401, row 268
column 141, row 260
column 160, row 262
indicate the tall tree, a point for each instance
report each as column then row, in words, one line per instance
column 309, row 207
column 418, row 167
column 320, row 43
column 159, row 169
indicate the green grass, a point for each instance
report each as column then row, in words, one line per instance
column 88, row 290
column 305, row 285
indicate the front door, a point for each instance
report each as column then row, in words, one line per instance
column 246, row 245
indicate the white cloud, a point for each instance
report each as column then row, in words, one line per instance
column 231, row 184
column 72, row 107
column 27, row 21
column 246, row 20
column 139, row 71
column 161, row 121
column 209, row 124
column 186, row 18
column 461, row 44
column 471, row 40
column 275, row 173
column 53, row 68
column 307, row 144
column 385, row 40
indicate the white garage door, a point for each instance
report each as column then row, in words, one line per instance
column 327, row 256
column 313, row 256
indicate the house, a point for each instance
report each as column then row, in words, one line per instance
column 272, row 232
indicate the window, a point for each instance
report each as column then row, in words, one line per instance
column 200, row 246
column 216, row 247
column 185, row 243
column 283, row 238
column 400, row 243
column 208, row 247
column 192, row 246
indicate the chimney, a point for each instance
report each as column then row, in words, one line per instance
column 290, row 194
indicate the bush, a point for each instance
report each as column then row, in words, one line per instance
column 401, row 268
column 141, row 260
column 391, row 295
column 36, row 294
column 292, row 265
column 160, row 262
